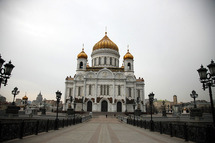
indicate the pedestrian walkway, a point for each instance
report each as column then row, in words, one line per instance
column 100, row 130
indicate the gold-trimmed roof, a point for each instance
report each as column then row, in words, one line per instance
column 25, row 98
column 82, row 54
column 128, row 55
column 105, row 42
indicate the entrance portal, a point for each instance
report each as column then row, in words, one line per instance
column 89, row 106
column 104, row 106
column 119, row 107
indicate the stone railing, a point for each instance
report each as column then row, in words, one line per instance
column 19, row 128
column 196, row 132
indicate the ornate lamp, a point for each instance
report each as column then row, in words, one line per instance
column 5, row 72
column 208, row 80
column 194, row 96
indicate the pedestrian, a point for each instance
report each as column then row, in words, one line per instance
column 106, row 115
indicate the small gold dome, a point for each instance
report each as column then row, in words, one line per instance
column 25, row 98
column 128, row 55
column 82, row 54
column 105, row 42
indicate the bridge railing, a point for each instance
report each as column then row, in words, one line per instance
column 19, row 128
column 196, row 132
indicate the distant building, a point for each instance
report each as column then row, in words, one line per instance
column 38, row 100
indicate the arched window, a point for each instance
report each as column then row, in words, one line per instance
column 129, row 66
column 119, row 90
column 90, row 89
column 99, row 60
column 110, row 61
column 81, row 65
column 105, row 59
column 94, row 61
column 129, row 92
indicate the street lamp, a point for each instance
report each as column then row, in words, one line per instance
column 151, row 98
column 164, row 109
column 5, row 72
column 58, row 96
column 168, row 108
column 134, row 111
column 82, row 103
column 194, row 96
column 74, row 111
column 14, row 92
column 208, row 80
column 126, row 104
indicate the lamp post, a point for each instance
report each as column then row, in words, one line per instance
column 82, row 103
column 151, row 98
column 134, row 111
column 168, row 108
column 74, row 111
column 14, row 92
column 126, row 104
column 208, row 80
column 194, row 96
column 58, row 96
column 5, row 72
column 164, row 109
column 44, row 107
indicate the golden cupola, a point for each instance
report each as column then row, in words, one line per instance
column 82, row 54
column 25, row 98
column 105, row 42
column 128, row 55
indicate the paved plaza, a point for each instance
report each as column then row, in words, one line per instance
column 100, row 130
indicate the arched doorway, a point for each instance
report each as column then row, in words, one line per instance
column 89, row 106
column 119, row 107
column 104, row 106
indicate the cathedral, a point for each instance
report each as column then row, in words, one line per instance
column 105, row 86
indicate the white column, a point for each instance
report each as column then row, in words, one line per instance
column 85, row 87
column 135, row 88
column 65, row 107
column 114, row 91
column 74, row 89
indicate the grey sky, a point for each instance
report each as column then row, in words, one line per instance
column 168, row 39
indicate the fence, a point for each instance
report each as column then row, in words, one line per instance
column 12, row 129
column 196, row 132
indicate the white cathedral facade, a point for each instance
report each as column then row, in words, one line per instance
column 105, row 86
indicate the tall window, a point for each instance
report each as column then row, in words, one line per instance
column 129, row 66
column 94, row 61
column 119, row 90
column 79, row 91
column 105, row 60
column 70, row 91
column 104, row 89
column 81, row 65
column 115, row 62
column 90, row 89
column 138, row 93
column 99, row 60
column 129, row 92
column 110, row 60
column 101, row 89
column 107, row 89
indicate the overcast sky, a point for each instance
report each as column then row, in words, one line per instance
column 168, row 39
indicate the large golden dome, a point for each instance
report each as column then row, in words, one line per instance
column 82, row 54
column 105, row 42
column 128, row 55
